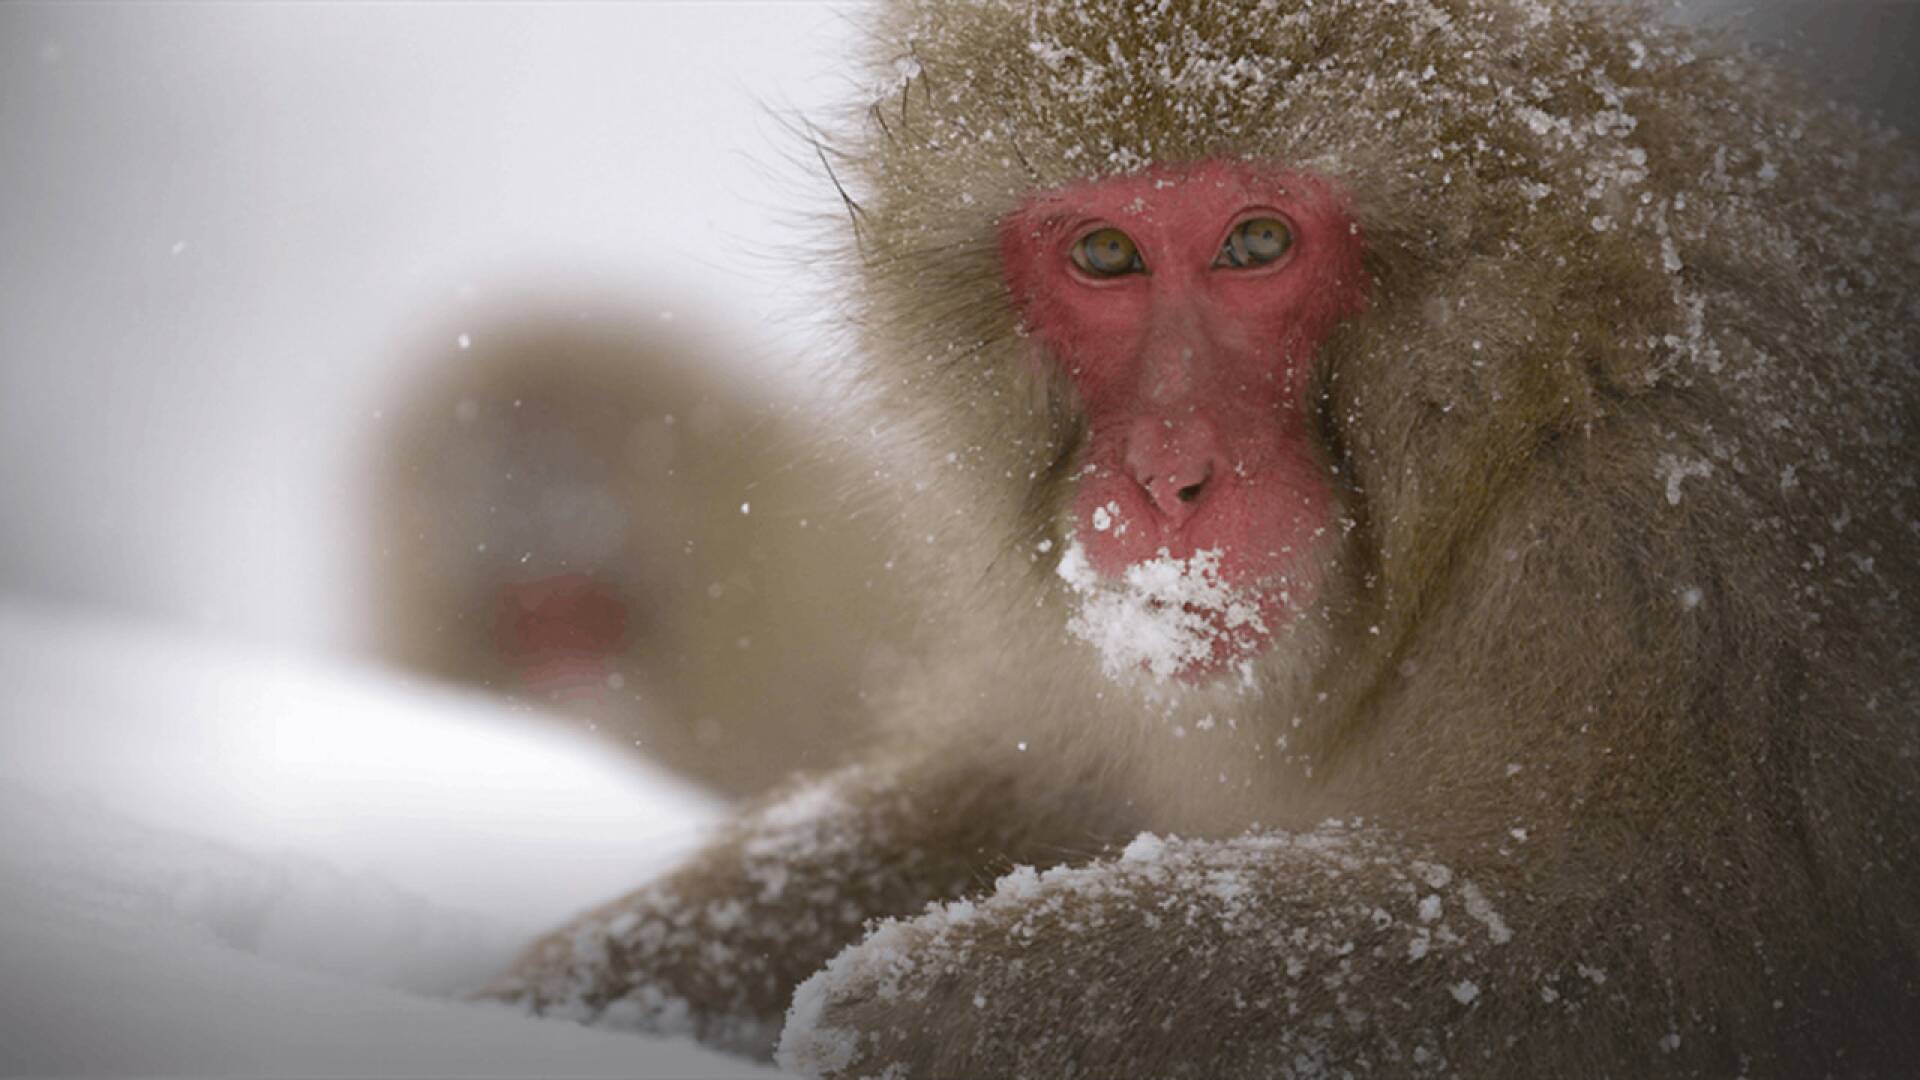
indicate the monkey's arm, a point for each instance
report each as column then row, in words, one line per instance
column 715, row 949
column 1332, row 953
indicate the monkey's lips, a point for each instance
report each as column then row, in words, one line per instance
column 1170, row 617
column 1193, row 597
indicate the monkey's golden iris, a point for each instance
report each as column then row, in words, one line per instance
column 1112, row 253
column 1107, row 253
column 1255, row 243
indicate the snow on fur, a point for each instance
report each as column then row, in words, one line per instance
column 1163, row 615
column 1225, row 885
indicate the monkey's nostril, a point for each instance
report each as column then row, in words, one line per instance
column 1189, row 492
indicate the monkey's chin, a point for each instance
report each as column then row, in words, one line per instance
column 1171, row 618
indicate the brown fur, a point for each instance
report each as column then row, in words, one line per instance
column 599, row 446
column 1613, row 696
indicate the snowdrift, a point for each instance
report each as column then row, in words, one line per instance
column 216, row 861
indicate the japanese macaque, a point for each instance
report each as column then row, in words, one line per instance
column 1419, row 514
column 583, row 513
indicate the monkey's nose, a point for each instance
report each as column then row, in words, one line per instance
column 1174, row 465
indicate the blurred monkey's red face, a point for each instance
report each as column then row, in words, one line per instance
column 561, row 634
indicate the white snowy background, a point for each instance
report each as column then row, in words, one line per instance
column 228, row 233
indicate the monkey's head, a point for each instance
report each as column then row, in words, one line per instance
column 1251, row 317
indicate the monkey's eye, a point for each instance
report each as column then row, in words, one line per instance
column 1255, row 243
column 1107, row 253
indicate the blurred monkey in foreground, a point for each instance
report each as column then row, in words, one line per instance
column 585, row 514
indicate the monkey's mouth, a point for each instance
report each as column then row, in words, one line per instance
column 1169, row 617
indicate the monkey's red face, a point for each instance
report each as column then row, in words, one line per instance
column 1187, row 305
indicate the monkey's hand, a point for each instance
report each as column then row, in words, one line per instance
column 1263, row 956
column 715, row 949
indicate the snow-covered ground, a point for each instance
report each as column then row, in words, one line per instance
column 218, row 861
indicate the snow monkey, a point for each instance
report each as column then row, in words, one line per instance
column 579, row 511
column 1423, row 529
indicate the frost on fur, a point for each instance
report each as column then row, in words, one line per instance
column 1163, row 616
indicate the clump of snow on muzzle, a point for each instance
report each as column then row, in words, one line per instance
column 1163, row 616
